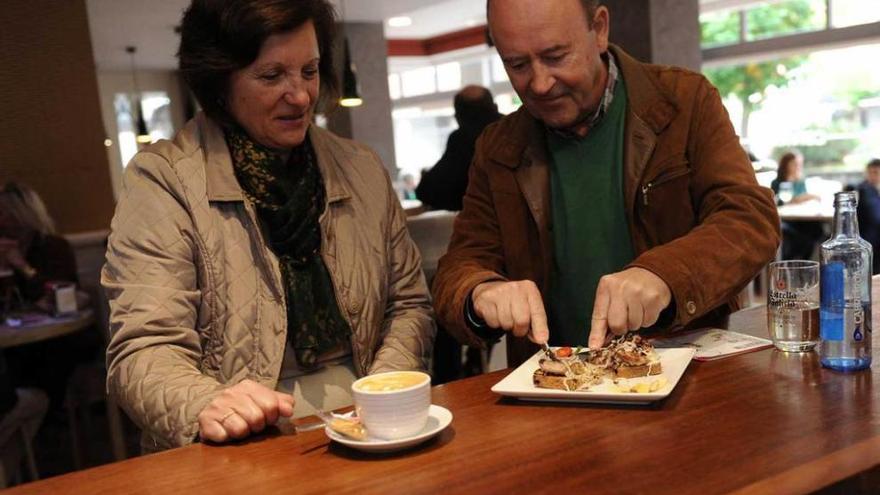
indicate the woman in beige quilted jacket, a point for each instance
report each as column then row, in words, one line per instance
column 257, row 264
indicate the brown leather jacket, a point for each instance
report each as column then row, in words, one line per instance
column 197, row 302
column 697, row 217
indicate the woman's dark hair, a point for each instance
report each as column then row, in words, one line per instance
column 219, row 37
column 786, row 165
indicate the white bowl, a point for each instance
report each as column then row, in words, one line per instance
column 394, row 414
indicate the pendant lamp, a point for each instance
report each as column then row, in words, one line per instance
column 351, row 95
column 143, row 135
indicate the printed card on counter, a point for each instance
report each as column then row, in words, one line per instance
column 715, row 343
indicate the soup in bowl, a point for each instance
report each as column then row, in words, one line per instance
column 393, row 405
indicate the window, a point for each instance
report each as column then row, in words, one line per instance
column 472, row 72
column 449, row 76
column 420, row 136
column 394, row 86
column 845, row 13
column 418, row 82
column 498, row 72
column 157, row 115
column 782, row 18
column 508, row 102
column 423, row 112
column 826, row 104
column 770, row 20
column 719, row 28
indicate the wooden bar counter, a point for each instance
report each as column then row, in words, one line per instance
column 763, row 422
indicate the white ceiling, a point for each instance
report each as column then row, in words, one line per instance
column 149, row 24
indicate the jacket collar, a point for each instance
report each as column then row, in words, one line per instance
column 332, row 158
column 222, row 184
column 647, row 100
column 647, row 103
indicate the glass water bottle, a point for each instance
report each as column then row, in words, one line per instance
column 845, row 305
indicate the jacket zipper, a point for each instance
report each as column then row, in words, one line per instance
column 343, row 310
column 646, row 188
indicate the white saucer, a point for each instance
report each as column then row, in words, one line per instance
column 438, row 419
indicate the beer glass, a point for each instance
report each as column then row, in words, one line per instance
column 793, row 305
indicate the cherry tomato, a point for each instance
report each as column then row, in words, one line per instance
column 563, row 352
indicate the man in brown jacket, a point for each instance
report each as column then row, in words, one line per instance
column 619, row 195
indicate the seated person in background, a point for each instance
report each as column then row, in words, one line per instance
column 869, row 209
column 619, row 195
column 799, row 238
column 408, row 186
column 789, row 185
column 443, row 187
column 29, row 246
column 257, row 264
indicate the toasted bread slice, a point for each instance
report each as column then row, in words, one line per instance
column 653, row 368
column 557, row 382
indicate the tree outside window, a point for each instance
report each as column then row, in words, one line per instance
column 826, row 103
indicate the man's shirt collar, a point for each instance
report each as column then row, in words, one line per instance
column 604, row 104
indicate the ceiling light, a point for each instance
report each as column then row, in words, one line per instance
column 399, row 22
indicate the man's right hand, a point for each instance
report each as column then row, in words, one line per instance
column 242, row 409
column 513, row 307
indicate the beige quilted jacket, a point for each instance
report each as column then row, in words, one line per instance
column 196, row 297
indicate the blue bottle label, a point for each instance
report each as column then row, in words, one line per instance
column 833, row 302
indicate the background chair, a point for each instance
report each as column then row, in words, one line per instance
column 17, row 431
column 431, row 231
column 87, row 385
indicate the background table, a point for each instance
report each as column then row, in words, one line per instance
column 50, row 329
column 810, row 211
column 763, row 422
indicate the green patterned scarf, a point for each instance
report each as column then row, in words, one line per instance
column 289, row 198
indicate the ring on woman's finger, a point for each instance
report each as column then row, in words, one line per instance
column 226, row 416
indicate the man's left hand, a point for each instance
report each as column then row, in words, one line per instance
column 626, row 301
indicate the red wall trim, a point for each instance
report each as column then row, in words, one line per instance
column 439, row 44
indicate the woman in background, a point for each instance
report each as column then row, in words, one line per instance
column 257, row 264
column 789, row 186
column 799, row 238
column 28, row 244
column 36, row 256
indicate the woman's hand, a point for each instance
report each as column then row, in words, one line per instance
column 803, row 198
column 242, row 409
column 10, row 254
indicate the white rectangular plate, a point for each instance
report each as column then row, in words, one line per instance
column 519, row 382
